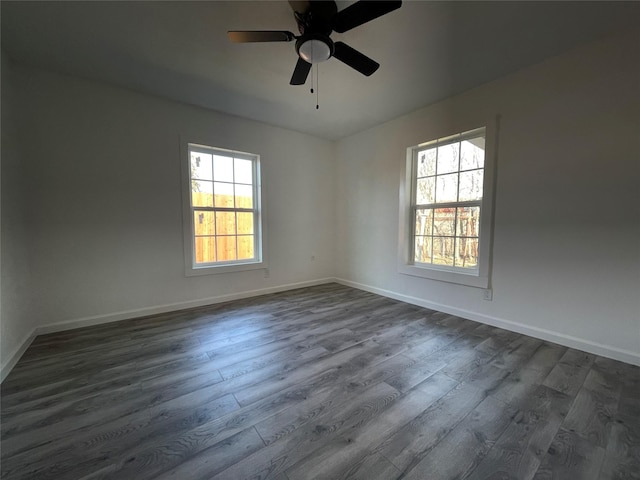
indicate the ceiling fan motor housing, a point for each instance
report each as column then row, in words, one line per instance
column 315, row 47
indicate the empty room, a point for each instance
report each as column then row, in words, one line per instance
column 320, row 240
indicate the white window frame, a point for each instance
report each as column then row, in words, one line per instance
column 479, row 277
column 191, row 267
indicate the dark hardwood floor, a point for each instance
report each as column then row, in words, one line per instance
column 326, row 382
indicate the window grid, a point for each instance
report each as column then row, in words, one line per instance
column 227, row 240
column 460, row 244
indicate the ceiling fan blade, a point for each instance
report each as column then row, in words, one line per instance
column 244, row 36
column 362, row 12
column 355, row 59
column 300, row 73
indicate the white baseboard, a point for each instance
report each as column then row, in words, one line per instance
column 543, row 334
column 16, row 354
column 562, row 339
column 143, row 312
column 172, row 307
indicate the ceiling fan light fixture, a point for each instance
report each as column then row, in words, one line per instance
column 314, row 51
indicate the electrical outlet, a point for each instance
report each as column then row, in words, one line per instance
column 487, row 294
column 266, row 273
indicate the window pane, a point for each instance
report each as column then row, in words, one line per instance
column 447, row 188
column 427, row 162
column 444, row 221
column 245, row 247
column 226, row 250
column 468, row 222
column 471, row 185
column 425, row 191
column 423, row 246
column 443, row 251
column 225, row 223
column 224, row 207
column 245, row 223
column 448, row 158
column 201, row 193
column 424, row 219
column 201, row 166
column 244, row 196
column 472, row 154
column 204, row 223
column 466, row 252
column 243, row 171
column 444, row 178
column 224, row 194
column 222, row 168
column 205, row 249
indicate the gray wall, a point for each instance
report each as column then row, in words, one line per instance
column 16, row 321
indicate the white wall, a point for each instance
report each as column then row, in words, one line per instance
column 102, row 179
column 566, row 241
column 16, row 321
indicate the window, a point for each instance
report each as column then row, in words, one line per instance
column 446, row 212
column 224, row 216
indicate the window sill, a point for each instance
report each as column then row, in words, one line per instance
column 471, row 279
column 229, row 268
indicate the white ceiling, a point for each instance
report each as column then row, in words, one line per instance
column 179, row 50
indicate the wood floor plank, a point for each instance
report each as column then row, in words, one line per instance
column 50, row 414
column 460, row 452
column 324, row 382
column 334, row 459
column 363, row 352
column 371, row 468
column 518, row 452
column 346, row 384
column 519, row 385
column 622, row 457
column 34, row 396
column 570, row 456
column 410, row 444
column 69, row 425
column 215, row 459
column 620, row 376
column 88, row 450
column 593, row 410
column 568, row 375
column 456, row 356
column 221, row 428
column 409, row 377
column 87, row 364
column 280, row 455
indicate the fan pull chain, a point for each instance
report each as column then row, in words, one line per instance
column 312, row 78
column 317, row 83
column 312, row 66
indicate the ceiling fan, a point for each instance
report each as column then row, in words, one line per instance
column 316, row 20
